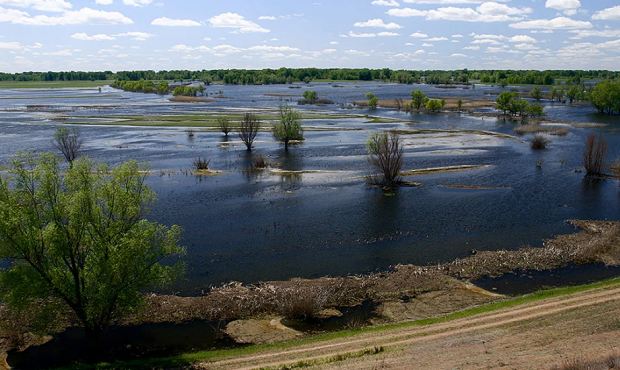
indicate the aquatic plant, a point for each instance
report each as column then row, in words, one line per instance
column 386, row 155
column 69, row 143
column 201, row 164
column 289, row 126
column 260, row 162
column 248, row 129
column 539, row 142
column 594, row 155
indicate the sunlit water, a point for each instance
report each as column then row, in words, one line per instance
column 251, row 227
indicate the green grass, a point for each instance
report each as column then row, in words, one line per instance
column 50, row 84
column 189, row 358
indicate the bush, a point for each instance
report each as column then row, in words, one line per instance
column 434, row 105
column 289, row 126
column 386, row 155
column 372, row 101
column 594, row 155
column 201, row 164
column 224, row 124
column 69, row 143
column 539, row 142
column 606, row 97
column 260, row 163
column 418, row 99
column 310, row 96
column 248, row 129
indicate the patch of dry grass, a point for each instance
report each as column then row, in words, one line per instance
column 605, row 363
column 534, row 128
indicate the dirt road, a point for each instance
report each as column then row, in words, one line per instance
column 536, row 335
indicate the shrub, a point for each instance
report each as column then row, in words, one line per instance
column 386, row 155
column 248, row 129
column 310, row 96
column 539, row 142
column 289, row 126
column 201, row 164
column 372, row 101
column 434, row 105
column 69, row 143
column 224, row 124
column 260, row 162
column 418, row 99
column 594, row 155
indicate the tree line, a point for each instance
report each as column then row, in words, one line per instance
column 291, row 75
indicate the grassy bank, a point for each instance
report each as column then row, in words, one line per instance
column 51, row 84
column 189, row 358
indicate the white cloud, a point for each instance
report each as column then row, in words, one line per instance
column 457, row 36
column 393, row 3
column 432, row 39
column 42, row 5
column 377, row 23
column 485, row 12
column 581, row 34
column 444, row 2
column 419, row 35
column 458, row 55
column 267, row 18
column 10, row 45
column 104, row 2
column 608, row 14
column 135, row 35
column 269, row 48
column 169, row 22
column 137, row 3
column 82, row 16
column 552, row 24
column 85, row 37
column 370, row 34
column 568, row 7
column 471, row 48
column 235, row 21
column 523, row 39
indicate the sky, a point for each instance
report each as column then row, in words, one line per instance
column 97, row 35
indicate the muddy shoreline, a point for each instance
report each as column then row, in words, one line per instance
column 406, row 292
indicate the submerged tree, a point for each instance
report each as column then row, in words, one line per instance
column 79, row 240
column 536, row 93
column 310, row 96
column 386, row 155
column 418, row 99
column 224, row 124
column 248, row 129
column 605, row 97
column 434, row 105
column 372, row 101
column 504, row 101
column 594, row 155
column 289, row 126
column 69, row 143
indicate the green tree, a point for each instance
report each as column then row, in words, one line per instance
column 434, row 105
column 78, row 239
column 289, row 126
column 573, row 93
column 605, row 97
column 372, row 101
column 504, row 101
column 418, row 99
column 310, row 96
column 536, row 93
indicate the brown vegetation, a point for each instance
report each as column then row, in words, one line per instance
column 534, row 128
column 386, row 155
column 594, row 155
column 248, row 129
column 539, row 142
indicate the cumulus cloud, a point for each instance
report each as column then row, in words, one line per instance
column 523, row 39
column 137, row 3
column 82, row 16
column 419, row 35
column 41, row 5
column 237, row 22
column 104, row 2
column 608, row 14
column 568, row 7
column 170, row 22
column 378, row 23
column 392, row 3
column 85, row 37
column 370, row 34
column 558, row 23
column 485, row 12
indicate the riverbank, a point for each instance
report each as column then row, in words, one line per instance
column 406, row 292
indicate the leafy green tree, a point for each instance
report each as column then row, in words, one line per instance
column 536, row 93
column 289, row 126
column 418, row 99
column 573, row 93
column 310, row 96
column 372, row 101
column 504, row 101
column 535, row 110
column 434, row 105
column 605, row 97
column 79, row 240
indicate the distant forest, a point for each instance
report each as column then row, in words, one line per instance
column 290, row 75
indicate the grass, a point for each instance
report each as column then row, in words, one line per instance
column 51, row 84
column 207, row 120
column 329, row 359
column 214, row 355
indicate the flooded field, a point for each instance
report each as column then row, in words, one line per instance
column 311, row 213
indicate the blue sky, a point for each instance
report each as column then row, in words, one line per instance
column 115, row 35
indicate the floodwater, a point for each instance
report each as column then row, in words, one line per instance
column 253, row 227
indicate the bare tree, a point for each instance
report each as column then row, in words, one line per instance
column 224, row 124
column 594, row 155
column 69, row 143
column 248, row 129
column 386, row 154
